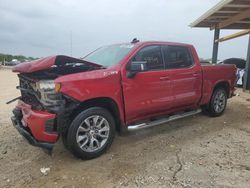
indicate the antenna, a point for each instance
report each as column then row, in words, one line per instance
column 70, row 43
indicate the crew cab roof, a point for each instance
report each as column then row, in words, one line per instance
column 162, row 43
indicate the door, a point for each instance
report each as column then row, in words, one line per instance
column 149, row 92
column 186, row 76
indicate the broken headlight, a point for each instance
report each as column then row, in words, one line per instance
column 46, row 85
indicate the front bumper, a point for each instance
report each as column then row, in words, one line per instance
column 33, row 125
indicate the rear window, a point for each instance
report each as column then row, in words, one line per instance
column 177, row 57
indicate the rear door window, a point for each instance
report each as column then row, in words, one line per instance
column 177, row 57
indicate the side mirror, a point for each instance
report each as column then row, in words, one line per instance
column 135, row 67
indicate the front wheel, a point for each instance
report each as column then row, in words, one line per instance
column 218, row 102
column 91, row 133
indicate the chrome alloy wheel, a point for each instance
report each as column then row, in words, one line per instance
column 93, row 133
column 220, row 101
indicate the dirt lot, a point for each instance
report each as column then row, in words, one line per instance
column 194, row 152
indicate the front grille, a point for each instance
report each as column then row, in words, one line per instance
column 28, row 94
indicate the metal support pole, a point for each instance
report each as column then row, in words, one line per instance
column 246, row 84
column 215, row 45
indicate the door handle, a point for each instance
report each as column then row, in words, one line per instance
column 164, row 78
column 195, row 74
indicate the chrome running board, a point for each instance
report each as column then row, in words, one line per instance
column 163, row 120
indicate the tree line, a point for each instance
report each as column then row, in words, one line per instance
column 9, row 57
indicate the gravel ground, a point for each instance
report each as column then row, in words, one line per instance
column 197, row 151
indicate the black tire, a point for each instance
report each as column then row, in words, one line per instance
column 64, row 139
column 218, row 102
column 79, row 121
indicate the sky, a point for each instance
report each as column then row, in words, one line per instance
column 43, row 28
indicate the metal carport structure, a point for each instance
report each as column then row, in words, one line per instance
column 228, row 14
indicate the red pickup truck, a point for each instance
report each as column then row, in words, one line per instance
column 116, row 88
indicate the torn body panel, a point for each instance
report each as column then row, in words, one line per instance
column 36, row 121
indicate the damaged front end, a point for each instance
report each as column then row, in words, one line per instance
column 39, row 93
column 43, row 113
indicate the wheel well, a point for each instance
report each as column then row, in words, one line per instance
column 104, row 102
column 224, row 85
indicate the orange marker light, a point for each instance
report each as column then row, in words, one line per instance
column 57, row 87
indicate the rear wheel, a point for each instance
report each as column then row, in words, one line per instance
column 91, row 133
column 218, row 102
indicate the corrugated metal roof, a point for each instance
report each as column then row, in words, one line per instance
column 227, row 14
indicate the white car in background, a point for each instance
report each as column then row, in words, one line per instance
column 241, row 68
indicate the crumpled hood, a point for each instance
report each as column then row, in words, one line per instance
column 47, row 62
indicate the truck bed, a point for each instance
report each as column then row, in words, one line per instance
column 213, row 74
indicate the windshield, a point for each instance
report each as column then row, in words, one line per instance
column 109, row 55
